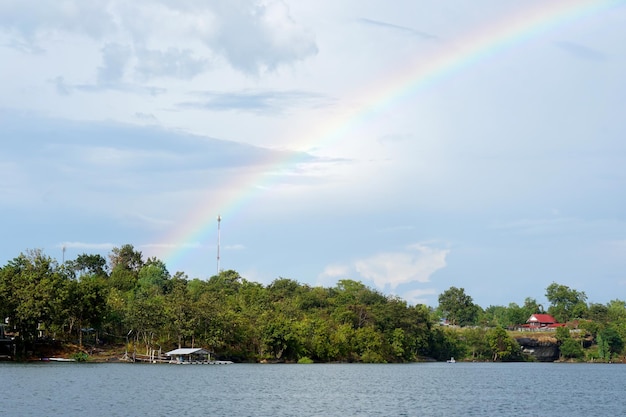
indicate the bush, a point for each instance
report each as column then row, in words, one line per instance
column 571, row 349
column 305, row 359
column 372, row 357
column 80, row 357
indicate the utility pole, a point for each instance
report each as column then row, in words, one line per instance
column 219, row 219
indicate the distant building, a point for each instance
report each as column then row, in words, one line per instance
column 193, row 356
column 540, row 322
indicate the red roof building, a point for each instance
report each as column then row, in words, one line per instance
column 541, row 322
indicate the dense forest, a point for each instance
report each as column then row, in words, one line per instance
column 136, row 302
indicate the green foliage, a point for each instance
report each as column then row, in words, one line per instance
column 565, row 303
column 370, row 356
column 80, row 357
column 458, row 307
column 503, row 346
column 85, row 304
column 446, row 343
column 571, row 349
column 616, row 311
column 126, row 258
column 476, row 343
column 598, row 313
column 609, row 342
column 86, row 264
column 34, row 289
column 562, row 334
column 512, row 315
column 495, row 316
column 153, row 277
column 591, row 328
column 305, row 360
column 139, row 302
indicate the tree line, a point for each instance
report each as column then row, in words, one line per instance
column 136, row 301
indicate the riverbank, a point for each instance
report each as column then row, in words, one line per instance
column 537, row 346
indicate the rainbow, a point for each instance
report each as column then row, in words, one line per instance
column 475, row 47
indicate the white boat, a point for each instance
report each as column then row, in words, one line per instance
column 451, row 360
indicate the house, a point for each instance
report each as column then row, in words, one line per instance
column 541, row 322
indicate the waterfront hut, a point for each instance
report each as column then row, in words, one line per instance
column 189, row 355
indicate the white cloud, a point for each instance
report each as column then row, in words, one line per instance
column 259, row 36
column 253, row 36
column 418, row 296
column 335, row 271
column 415, row 264
column 275, row 102
column 174, row 62
column 34, row 19
column 87, row 245
column 332, row 273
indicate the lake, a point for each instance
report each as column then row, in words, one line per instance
column 421, row 389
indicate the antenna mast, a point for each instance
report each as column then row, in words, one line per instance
column 219, row 219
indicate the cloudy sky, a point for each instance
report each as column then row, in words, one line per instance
column 412, row 145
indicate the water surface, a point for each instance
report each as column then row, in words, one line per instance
column 425, row 389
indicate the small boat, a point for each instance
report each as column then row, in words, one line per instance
column 451, row 360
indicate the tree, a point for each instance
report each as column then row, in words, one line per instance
column 153, row 275
column 145, row 314
column 368, row 344
column 609, row 342
column 532, row 307
column 353, row 302
column 125, row 264
column 458, row 307
column 571, row 349
column 565, row 303
column 516, row 315
column 616, row 311
column 598, row 313
column 476, row 343
column 36, row 290
column 226, row 282
column 126, row 257
column 179, row 310
column 503, row 347
column 280, row 338
column 86, row 304
column 89, row 264
column 444, row 343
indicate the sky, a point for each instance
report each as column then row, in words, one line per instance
column 412, row 145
